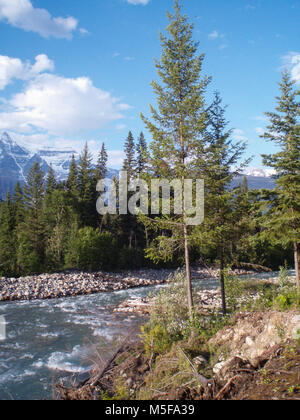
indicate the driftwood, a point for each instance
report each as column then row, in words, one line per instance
column 226, row 388
column 203, row 381
column 93, row 381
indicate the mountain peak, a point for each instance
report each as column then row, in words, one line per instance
column 5, row 138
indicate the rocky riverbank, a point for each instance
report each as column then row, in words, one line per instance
column 60, row 285
column 208, row 299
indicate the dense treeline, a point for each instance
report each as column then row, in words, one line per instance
column 49, row 225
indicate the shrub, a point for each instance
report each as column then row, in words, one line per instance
column 89, row 249
column 131, row 258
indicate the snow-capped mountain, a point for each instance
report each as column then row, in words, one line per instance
column 59, row 159
column 258, row 172
column 15, row 162
column 257, row 178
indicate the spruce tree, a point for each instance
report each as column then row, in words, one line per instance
column 221, row 154
column 34, row 188
column 101, row 167
column 86, row 186
column 141, row 149
column 50, row 181
column 18, row 200
column 130, row 161
column 31, row 232
column 282, row 220
column 72, row 181
column 7, row 239
column 177, row 128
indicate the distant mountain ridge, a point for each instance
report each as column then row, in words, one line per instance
column 15, row 162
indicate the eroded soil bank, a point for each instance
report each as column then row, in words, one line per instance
column 256, row 357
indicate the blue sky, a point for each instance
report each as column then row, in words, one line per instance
column 73, row 71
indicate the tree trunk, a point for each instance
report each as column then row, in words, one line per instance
column 222, row 281
column 297, row 266
column 188, row 272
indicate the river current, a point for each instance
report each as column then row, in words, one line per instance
column 49, row 340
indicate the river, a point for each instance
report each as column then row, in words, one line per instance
column 48, row 340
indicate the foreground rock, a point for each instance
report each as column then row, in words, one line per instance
column 255, row 333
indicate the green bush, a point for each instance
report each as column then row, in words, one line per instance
column 131, row 258
column 89, row 249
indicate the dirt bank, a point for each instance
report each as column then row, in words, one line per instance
column 256, row 357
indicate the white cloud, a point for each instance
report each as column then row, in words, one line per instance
column 115, row 158
column 14, row 68
column 260, row 118
column 254, row 171
column 22, row 14
column 250, row 7
column 84, row 31
column 121, row 127
column 213, row 35
column 138, row 2
column 60, row 106
column 292, row 60
column 260, row 131
column 239, row 135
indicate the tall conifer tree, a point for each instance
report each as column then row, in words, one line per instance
column 130, row 161
column 221, row 155
column 72, row 181
column 31, row 232
column 51, row 183
column 283, row 217
column 178, row 125
column 101, row 168
column 141, row 149
column 86, row 186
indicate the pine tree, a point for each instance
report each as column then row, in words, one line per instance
column 30, row 255
column 7, row 240
column 86, row 186
column 177, row 127
column 101, row 168
column 72, row 181
column 220, row 155
column 50, row 181
column 34, row 188
column 283, row 218
column 130, row 161
column 59, row 213
column 19, row 206
column 141, row 149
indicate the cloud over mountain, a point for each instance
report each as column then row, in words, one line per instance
column 53, row 104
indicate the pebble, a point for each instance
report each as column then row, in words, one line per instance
column 73, row 283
